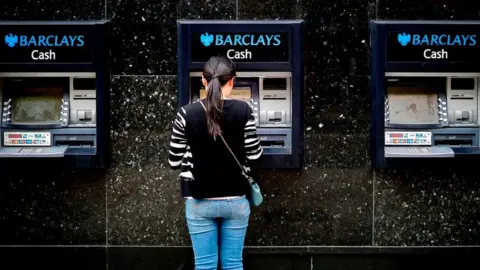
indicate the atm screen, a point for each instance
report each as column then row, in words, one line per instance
column 34, row 103
column 243, row 93
column 412, row 105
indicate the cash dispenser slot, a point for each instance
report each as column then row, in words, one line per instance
column 454, row 140
column 76, row 145
column 277, row 140
column 461, row 144
column 272, row 143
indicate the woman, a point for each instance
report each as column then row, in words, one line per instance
column 215, row 189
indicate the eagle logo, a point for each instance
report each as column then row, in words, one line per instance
column 11, row 40
column 404, row 39
column 206, row 39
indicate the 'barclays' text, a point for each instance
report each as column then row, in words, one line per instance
column 247, row 40
column 51, row 41
column 444, row 40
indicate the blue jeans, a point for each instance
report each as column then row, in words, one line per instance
column 218, row 223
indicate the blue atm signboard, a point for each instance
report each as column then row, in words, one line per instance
column 460, row 45
column 241, row 46
column 45, row 44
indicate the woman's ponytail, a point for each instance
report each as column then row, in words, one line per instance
column 217, row 71
column 214, row 105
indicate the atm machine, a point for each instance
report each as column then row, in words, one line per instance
column 425, row 93
column 54, row 85
column 270, row 77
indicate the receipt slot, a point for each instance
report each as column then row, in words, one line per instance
column 270, row 77
column 54, row 86
column 425, row 93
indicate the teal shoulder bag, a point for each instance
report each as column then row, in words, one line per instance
column 255, row 197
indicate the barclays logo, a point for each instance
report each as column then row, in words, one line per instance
column 240, row 40
column 404, row 39
column 436, row 40
column 206, row 39
column 44, row 41
column 11, row 40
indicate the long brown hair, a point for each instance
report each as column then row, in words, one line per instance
column 217, row 71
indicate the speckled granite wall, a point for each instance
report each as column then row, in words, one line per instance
column 336, row 200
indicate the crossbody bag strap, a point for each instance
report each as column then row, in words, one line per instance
column 226, row 144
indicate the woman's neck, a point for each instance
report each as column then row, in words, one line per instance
column 225, row 96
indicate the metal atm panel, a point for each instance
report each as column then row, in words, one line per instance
column 270, row 78
column 425, row 89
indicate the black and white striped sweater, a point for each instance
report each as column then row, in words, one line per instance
column 207, row 167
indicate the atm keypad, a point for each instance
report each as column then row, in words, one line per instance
column 31, row 150
column 418, row 149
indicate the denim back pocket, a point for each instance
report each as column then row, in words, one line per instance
column 196, row 209
column 240, row 208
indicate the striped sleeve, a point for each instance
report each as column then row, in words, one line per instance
column 178, row 141
column 253, row 150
